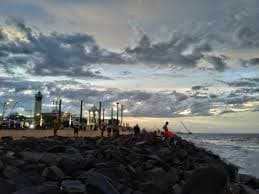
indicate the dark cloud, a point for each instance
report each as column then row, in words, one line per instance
column 254, row 61
column 170, row 52
column 199, row 87
column 241, row 83
column 218, row 62
column 2, row 35
column 55, row 54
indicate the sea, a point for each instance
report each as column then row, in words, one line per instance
column 239, row 149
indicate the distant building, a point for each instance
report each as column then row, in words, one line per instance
column 38, row 104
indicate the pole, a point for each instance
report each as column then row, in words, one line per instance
column 81, row 113
column 3, row 111
column 112, row 114
column 59, row 112
column 121, row 114
column 117, row 113
column 103, row 114
column 100, row 112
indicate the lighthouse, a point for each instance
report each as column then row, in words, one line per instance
column 38, row 104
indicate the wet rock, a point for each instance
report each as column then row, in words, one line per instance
column 73, row 187
column 249, row 180
column 53, row 173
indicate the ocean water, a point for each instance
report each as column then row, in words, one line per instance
column 239, row 149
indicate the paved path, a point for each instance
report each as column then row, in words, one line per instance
column 17, row 134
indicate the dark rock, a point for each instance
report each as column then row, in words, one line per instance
column 53, row 173
column 6, row 186
column 57, row 149
column 160, row 178
column 22, row 181
column 99, row 184
column 49, row 188
column 7, row 139
column 246, row 190
column 73, row 187
column 10, row 172
column 50, row 159
column 1, row 165
column 177, row 189
column 249, row 180
column 30, row 156
column 27, row 190
column 115, row 173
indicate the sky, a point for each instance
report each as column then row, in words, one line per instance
column 159, row 58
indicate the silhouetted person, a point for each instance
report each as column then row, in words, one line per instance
column 102, row 127
column 209, row 180
column 55, row 126
column 109, row 128
column 136, row 130
column 165, row 127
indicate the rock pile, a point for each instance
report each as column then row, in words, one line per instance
column 62, row 165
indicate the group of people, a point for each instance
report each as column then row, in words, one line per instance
column 112, row 128
column 156, row 135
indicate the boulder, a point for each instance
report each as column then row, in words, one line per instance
column 28, row 190
column 6, row 186
column 177, row 189
column 50, row 159
column 30, row 156
column 159, row 178
column 10, row 172
column 73, row 187
column 1, row 165
column 49, row 188
column 53, row 173
column 7, row 139
column 115, row 173
column 57, row 149
column 99, row 184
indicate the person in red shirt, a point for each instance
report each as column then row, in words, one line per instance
column 169, row 136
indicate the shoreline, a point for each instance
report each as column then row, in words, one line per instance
column 123, row 165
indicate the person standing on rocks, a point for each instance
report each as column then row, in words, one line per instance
column 136, row 130
column 165, row 127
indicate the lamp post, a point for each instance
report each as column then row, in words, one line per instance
column 117, row 113
column 7, row 102
column 121, row 114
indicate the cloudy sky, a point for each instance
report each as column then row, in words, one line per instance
column 160, row 58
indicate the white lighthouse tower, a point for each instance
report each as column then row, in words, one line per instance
column 38, row 104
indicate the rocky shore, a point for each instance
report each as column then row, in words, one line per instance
column 94, row 165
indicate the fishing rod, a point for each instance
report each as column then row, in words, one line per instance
column 189, row 132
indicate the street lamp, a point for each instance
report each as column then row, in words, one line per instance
column 117, row 113
column 7, row 102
